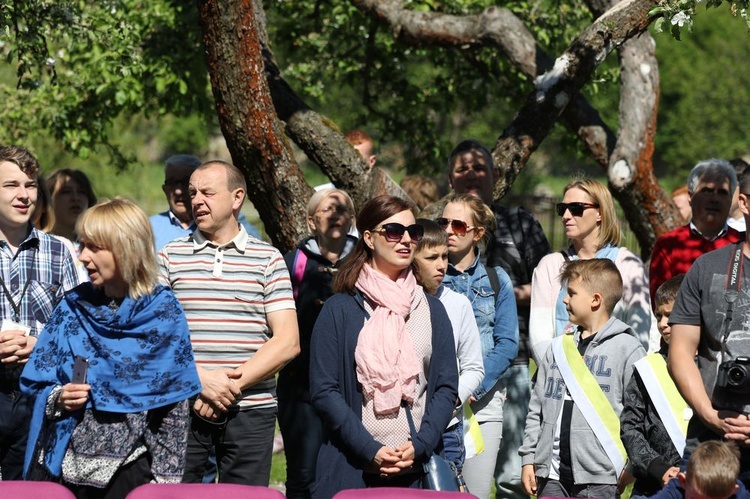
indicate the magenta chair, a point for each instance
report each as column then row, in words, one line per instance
column 202, row 490
column 400, row 493
column 47, row 490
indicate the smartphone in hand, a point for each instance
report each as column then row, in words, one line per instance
column 80, row 369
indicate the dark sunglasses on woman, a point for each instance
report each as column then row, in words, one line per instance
column 460, row 228
column 395, row 231
column 576, row 209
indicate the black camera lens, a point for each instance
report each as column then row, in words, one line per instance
column 737, row 375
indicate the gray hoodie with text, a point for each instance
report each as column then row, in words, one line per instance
column 610, row 357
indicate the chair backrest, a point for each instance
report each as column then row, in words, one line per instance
column 202, row 490
column 401, row 493
column 48, row 490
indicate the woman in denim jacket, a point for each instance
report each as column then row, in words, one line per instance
column 467, row 220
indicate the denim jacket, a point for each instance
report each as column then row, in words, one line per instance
column 497, row 321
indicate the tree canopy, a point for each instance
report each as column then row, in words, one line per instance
column 420, row 73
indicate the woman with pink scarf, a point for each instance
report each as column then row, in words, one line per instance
column 381, row 346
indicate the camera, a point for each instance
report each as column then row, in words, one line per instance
column 732, row 389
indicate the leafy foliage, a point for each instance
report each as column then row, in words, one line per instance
column 80, row 64
column 705, row 93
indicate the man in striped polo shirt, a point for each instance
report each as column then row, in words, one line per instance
column 237, row 297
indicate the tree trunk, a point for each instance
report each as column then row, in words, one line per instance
column 254, row 135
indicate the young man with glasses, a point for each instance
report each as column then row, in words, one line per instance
column 517, row 245
column 711, row 184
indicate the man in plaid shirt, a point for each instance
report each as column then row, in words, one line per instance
column 35, row 270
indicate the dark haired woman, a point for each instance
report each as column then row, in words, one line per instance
column 381, row 348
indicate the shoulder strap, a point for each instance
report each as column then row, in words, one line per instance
column 590, row 399
column 669, row 404
column 565, row 255
column 494, row 281
column 298, row 270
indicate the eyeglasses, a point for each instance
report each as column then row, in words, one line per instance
column 460, row 228
column 338, row 209
column 395, row 231
column 575, row 209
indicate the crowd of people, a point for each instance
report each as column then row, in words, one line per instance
column 166, row 349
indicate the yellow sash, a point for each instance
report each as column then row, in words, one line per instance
column 671, row 407
column 590, row 399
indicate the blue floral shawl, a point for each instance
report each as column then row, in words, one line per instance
column 140, row 358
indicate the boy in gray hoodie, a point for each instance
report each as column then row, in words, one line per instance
column 571, row 446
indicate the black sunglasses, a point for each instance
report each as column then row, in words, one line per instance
column 575, row 209
column 460, row 228
column 395, row 231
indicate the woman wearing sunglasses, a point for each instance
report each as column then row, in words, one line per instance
column 381, row 349
column 467, row 220
column 588, row 215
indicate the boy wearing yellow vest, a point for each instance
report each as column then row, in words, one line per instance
column 571, row 445
column 654, row 420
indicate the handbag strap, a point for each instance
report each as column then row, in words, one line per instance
column 409, row 419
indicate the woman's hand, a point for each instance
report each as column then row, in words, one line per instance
column 73, row 396
column 528, row 479
column 384, row 462
column 405, row 462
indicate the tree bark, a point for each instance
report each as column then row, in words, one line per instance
column 254, row 135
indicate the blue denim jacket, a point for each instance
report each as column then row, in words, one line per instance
column 497, row 322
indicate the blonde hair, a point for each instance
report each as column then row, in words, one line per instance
column 609, row 227
column 597, row 275
column 121, row 227
column 481, row 213
column 319, row 196
column 713, row 468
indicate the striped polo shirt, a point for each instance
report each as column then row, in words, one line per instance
column 226, row 292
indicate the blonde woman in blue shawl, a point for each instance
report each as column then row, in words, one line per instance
column 127, row 423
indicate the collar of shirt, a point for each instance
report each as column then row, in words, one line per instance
column 239, row 241
column 470, row 269
column 32, row 239
column 694, row 230
column 176, row 222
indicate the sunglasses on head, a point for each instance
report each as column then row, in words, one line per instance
column 459, row 227
column 395, row 231
column 576, row 209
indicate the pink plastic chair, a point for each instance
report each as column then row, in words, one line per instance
column 47, row 490
column 400, row 493
column 202, row 490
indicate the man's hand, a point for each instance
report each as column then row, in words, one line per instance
column 218, row 388
column 736, row 427
column 528, row 479
column 73, row 397
column 15, row 347
column 670, row 474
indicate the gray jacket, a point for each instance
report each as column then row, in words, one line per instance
column 610, row 357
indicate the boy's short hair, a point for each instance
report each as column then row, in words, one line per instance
column 21, row 157
column 667, row 292
column 597, row 275
column 433, row 235
column 713, row 468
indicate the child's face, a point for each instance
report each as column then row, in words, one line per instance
column 578, row 301
column 432, row 263
column 663, row 312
